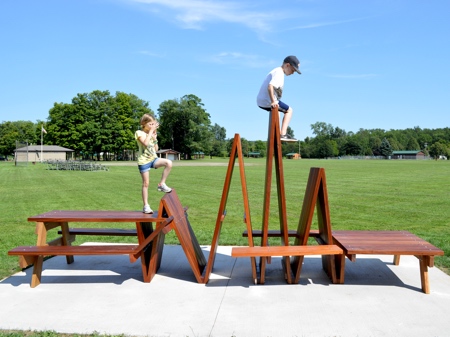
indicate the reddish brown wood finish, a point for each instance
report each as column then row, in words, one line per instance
column 102, row 231
column 395, row 243
column 95, row 216
column 274, row 153
column 73, row 250
column 236, row 151
column 315, row 197
column 286, row 250
column 171, row 205
column 150, row 241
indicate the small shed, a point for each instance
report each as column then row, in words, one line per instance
column 38, row 153
column 199, row 155
column 254, row 154
column 169, row 154
column 293, row 155
column 415, row 154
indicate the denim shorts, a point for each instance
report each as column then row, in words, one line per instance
column 282, row 107
column 148, row 166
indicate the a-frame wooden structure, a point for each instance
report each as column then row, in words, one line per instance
column 315, row 197
column 274, row 154
column 170, row 207
column 236, row 152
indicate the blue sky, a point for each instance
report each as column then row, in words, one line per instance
column 365, row 64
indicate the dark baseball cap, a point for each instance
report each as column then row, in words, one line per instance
column 293, row 61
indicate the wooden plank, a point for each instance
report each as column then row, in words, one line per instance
column 285, row 251
column 73, row 250
column 170, row 205
column 384, row 242
column 96, row 216
column 390, row 250
column 102, row 231
column 275, row 233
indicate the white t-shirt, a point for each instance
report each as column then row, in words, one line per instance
column 276, row 78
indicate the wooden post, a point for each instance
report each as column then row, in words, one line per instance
column 274, row 152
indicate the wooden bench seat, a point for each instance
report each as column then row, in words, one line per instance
column 266, row 251
column 395, row 243
column 354, row 242
column 73, row 250
column 275, row 233
column 101, row 231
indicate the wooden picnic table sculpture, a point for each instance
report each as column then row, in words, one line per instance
column 333, row 246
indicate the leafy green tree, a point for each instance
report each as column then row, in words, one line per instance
column 96, row 123
column 412, row 144
column 322, row 129
column 385, row 148
column 218, row 144
column 22, row 131
column 327, row 148
column 375, row 143
column 351, row 147
column 439, row 149
column 261, row 147
column 185, row 126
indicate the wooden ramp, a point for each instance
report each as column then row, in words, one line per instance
column 170, row 207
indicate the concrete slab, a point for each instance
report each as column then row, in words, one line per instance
column 105, row 294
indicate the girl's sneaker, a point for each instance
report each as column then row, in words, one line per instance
column 147, row 209
column 164, row 188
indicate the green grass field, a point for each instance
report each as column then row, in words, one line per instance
column 363, row 194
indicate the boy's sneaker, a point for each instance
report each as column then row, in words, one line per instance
column 287, row 138
column 147, row 209
column 164, row 188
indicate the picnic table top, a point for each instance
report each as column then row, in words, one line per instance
column 96, row 216
column 384, row 242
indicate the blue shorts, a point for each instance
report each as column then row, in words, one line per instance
column 282, row 107
column 148, row 166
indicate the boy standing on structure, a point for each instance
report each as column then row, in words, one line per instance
column 271, row 90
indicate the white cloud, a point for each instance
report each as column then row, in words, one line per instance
column 194, row 14
column 150, row 53
column 324, row 24
column 240, row 59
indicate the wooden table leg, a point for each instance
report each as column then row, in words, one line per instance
column 66, row 240
column 150, row 257
column 41, row 232
column 424, row 262
column 37, row 271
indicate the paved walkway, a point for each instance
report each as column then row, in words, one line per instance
column 105, row 294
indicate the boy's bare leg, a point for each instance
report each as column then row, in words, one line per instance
column 286, row 119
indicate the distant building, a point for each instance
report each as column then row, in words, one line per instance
column 34, row 153
column 254, row 154
column 169, row 154
column 199, row 155
column 415, row 154
column 293, row 156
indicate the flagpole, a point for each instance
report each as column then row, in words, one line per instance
column 42, row 139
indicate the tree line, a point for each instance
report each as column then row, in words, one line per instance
column 332, row 141
column 99, row 125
